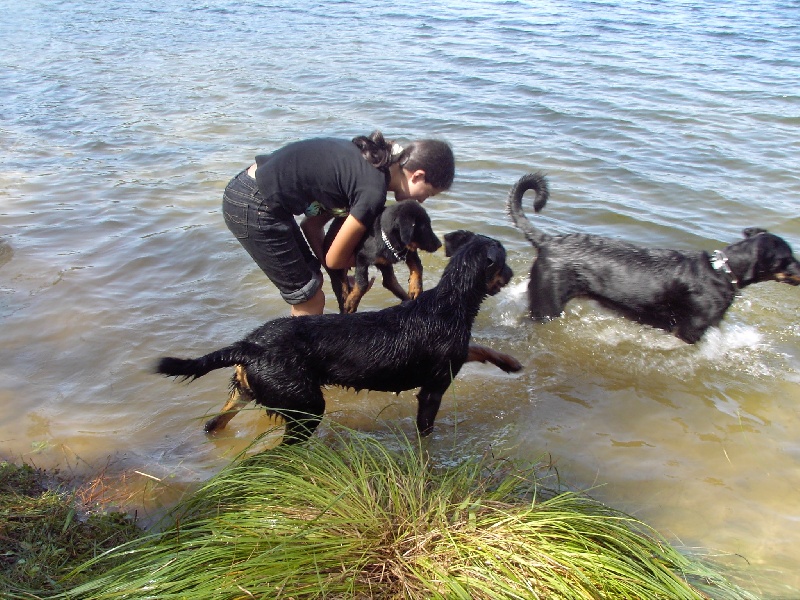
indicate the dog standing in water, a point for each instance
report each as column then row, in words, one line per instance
column 684, row 293
column 284, row 364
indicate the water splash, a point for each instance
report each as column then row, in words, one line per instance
column 589, row 333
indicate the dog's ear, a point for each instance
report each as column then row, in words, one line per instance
column 753, row 231
column 406, row 230
column 455, row 240
column 495, row 254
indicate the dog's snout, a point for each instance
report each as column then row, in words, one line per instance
column 500, row 280
column 507, row 274
column 790, row 273
column 431, row 244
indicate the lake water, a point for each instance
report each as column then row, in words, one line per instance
column 671, row 124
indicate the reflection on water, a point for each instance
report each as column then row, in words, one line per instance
column 667, row 125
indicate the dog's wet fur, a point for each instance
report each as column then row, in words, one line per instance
column 680, row 292
column 407, row 226
column 423, row 343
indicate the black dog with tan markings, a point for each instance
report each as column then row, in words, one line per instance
column 684, row 293
column 397, row 233
column 284, row 364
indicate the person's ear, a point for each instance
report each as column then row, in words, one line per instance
column 418, row 176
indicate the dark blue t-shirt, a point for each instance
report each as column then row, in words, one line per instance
column 326, row 170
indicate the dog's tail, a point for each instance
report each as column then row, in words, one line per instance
column 531, row 181
column 239, row 353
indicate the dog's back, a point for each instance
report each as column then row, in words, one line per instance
column 421, row 343
column 394, row 349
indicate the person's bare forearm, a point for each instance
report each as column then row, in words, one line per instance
column 314, row 230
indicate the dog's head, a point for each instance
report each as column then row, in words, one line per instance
column 498, row 273
column 769, row 258
column 410, row 223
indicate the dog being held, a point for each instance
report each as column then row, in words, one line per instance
column 396, row 234
column 284, row 364
column 684, row 293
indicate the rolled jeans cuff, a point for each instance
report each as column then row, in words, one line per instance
column 305, row 293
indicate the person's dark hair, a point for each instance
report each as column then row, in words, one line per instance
column 435, row 157
column 376, row 150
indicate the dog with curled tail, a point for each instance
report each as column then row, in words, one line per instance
column 684, row 293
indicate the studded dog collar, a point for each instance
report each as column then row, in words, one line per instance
column 719, row 262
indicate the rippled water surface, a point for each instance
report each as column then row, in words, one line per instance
column 671, row 124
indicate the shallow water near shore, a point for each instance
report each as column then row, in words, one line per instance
column 671, row 125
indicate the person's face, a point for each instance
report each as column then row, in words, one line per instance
column 414, row 187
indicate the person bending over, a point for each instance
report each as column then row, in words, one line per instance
column 322, row 178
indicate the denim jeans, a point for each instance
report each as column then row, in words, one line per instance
column 272, row 238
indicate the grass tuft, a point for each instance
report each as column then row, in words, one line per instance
column 349, row 518
column 45, row 533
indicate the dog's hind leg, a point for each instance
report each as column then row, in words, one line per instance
column 240, row 397
column 339, row 285
column 506, row 362
column 301, row 423
column 546, row 296
column 361, row 286
column 299, row 429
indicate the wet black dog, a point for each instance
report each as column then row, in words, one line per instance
column 684, row 293
column 398, row 232
column 423, row 343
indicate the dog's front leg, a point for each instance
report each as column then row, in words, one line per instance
column 360, row 288
column 414, row 274
column 340, row 286
column 390, row 281
column 478, row 353
column 429, row 403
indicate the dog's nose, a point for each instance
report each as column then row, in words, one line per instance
column 433, row 244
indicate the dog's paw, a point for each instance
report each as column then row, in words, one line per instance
column 215, row 425
column 501, row 360
column 351, row 303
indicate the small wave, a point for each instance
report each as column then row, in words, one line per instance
column 511, row 304
column 591, row 334
column 730, row 338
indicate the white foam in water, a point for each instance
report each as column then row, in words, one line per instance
column 741, row 348
column 511, row 304
column 718, row 342
column 615, row 331
column 731, row 346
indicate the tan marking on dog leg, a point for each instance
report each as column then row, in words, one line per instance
column 240, row 396
column 353, row 298
column 414, row 275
